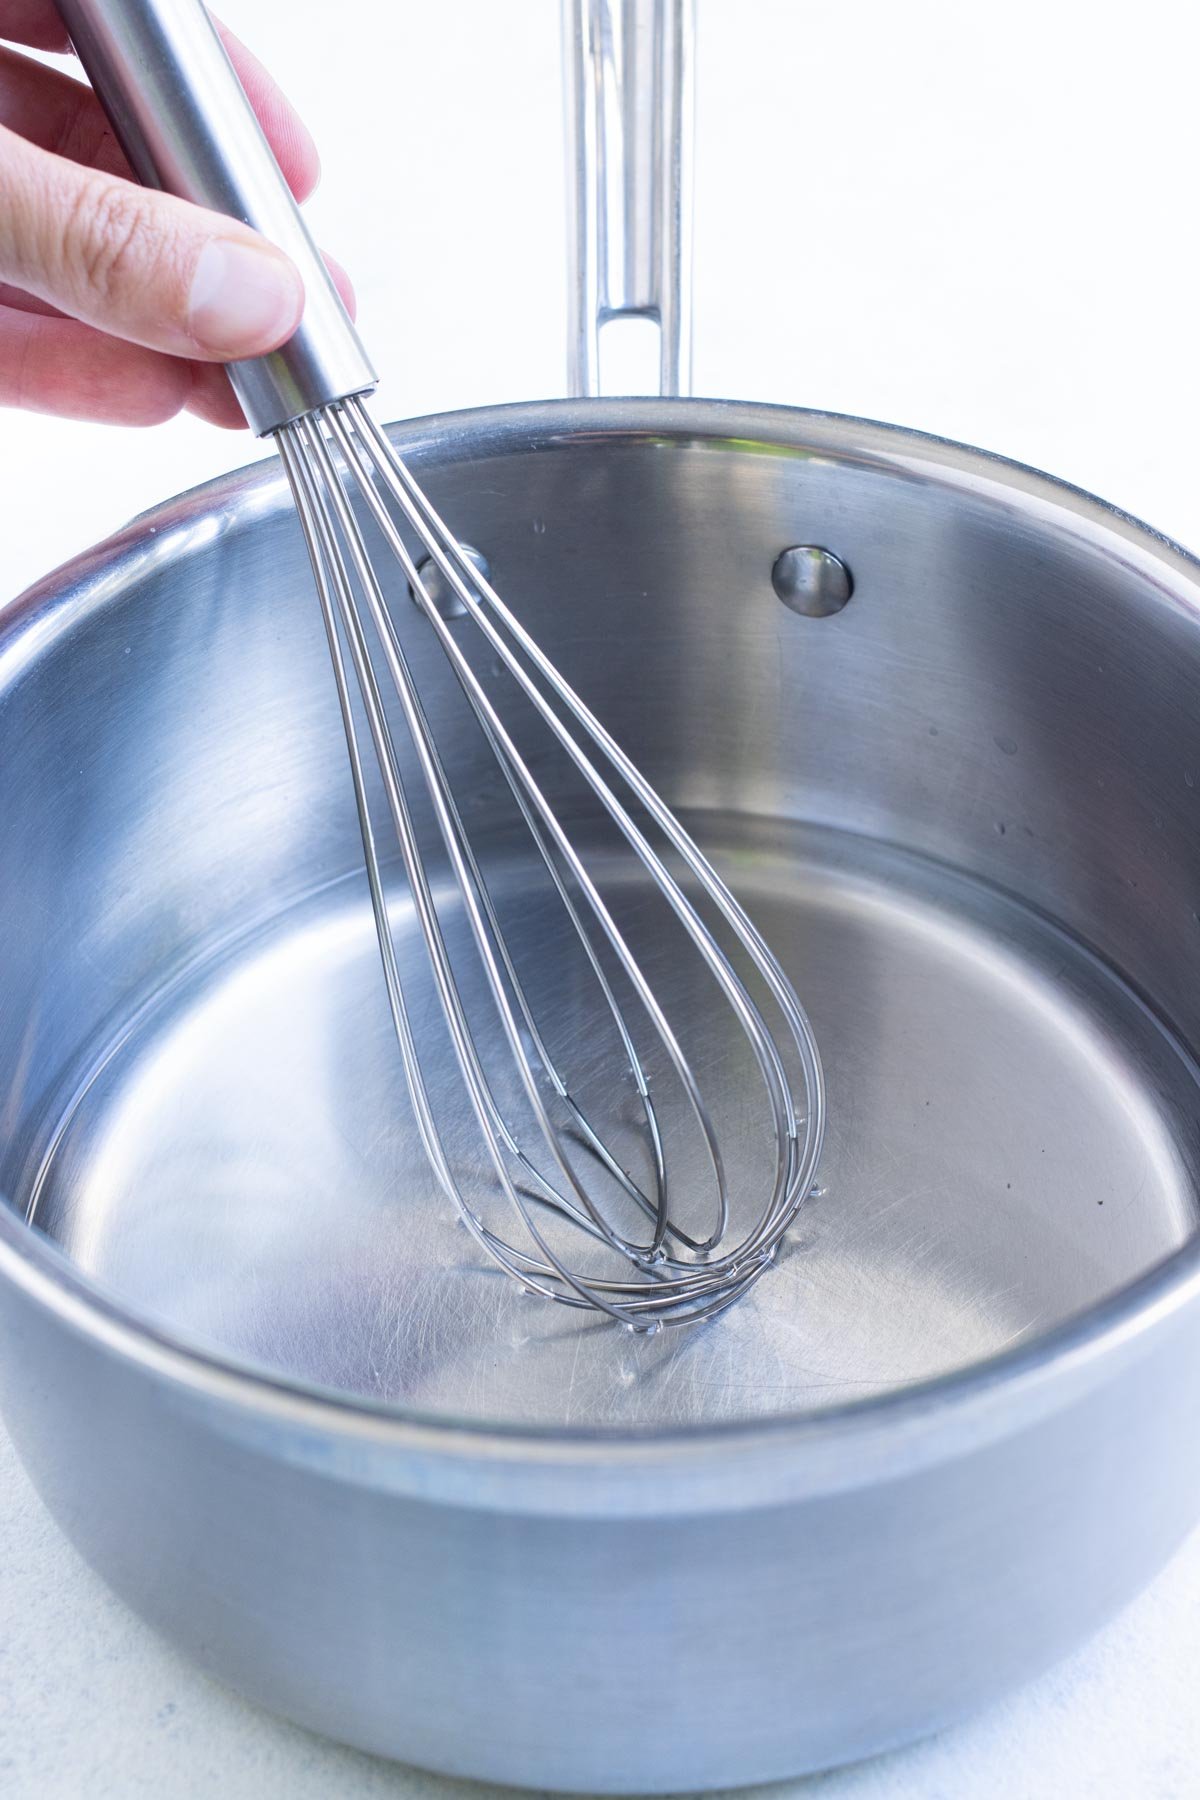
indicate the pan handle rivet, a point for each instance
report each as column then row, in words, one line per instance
column 441, row 593
column 812, row 581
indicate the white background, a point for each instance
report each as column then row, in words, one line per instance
column 976, row 220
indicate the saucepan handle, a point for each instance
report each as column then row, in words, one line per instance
column 182, row 117
column 629, row 110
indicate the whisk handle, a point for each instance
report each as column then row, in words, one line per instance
column 182, row 117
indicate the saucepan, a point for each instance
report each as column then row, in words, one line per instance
column 935, row 716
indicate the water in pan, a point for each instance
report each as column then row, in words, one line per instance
column 1005, row 1124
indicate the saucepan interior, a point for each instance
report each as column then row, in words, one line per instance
column 963, row 809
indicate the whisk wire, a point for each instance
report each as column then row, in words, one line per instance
column 333, row 586
column 661, row 1286
column 448, row 556
column 517, row 772
column 438, row 788
column 520, row 778
column 471, row 587
column 332, row 507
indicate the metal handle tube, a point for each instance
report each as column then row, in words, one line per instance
column 182, row 117
column 629, row 119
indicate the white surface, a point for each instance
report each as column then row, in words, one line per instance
column 973, row 220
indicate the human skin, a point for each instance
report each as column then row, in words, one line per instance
column 118, row 303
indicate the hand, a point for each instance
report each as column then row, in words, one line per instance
column 117, row 302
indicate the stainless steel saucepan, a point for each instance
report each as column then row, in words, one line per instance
column 935, row 715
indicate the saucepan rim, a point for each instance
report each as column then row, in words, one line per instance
column 1083, row 1345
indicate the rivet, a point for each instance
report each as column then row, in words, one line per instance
column 812, row 581
column 442, row 595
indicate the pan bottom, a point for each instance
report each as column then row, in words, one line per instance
column 1010, row 1139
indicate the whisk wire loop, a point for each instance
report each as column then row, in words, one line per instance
column 676, row 1276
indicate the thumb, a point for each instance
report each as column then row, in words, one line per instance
column 138, row 264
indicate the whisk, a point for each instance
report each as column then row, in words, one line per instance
column 569, row 1220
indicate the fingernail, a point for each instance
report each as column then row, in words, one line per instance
column 244, row 300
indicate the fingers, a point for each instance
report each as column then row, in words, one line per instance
column 59, row 366
column 87, row 258
column 58, row 113
column 33, row 22
column 15, row 296
column 213, row 399
column 141, row 264
column 84, row 375
column 342, row 283
column 284, row 129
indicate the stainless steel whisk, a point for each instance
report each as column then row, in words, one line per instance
column 183, row 119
